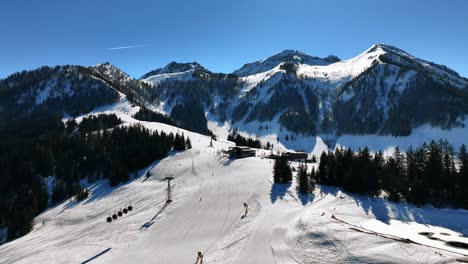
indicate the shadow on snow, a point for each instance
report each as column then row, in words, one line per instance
column 151, row 222
column 96, row 256
column 385, row 211
column 278, row 191
column 305, row 198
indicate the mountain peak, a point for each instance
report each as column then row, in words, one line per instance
column 393, row 55
column 290, row 53
column 300, row 57
column 111, row 72
column 289, row 56
column 105, row 65
column 175, row 67
column 387, row 49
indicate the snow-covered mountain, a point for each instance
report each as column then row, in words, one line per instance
column 68, row 90
column 383, row 91
column 287, row 97
column 292, row 56
column 174, row 67
column 174, row 71
column 296, row 103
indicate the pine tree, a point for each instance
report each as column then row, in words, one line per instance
column 369, row 176
column 412, row 171
column 339, row 166
column 188, row 143
column 433, row 170
column 332, row 170
column 463, row 176
column 322, row 173
column 419, row 186
column 179, row 142
column 303, row 180
column 378, row 165
column 387, row 184
column 400, row 179
column 282, row 171
column 449, row 172
column 347, row 168
column 312, row 179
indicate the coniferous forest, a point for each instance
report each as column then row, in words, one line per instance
column 433, row 174
column 247, row 141
column 282, row 171
column 430, row 174
column 33, row 149
column 151, row 116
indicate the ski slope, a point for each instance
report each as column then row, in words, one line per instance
column 206, row 215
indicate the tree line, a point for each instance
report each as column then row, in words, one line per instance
column 33, row 149
column 93, row 123
column 282, row 174
column 151, row 116
column 430, row 174
column 247, row 141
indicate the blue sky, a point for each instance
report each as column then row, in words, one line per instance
column 223, row 35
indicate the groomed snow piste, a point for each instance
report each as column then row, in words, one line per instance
column 206, row 215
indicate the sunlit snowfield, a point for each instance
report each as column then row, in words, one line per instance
column 327, row 226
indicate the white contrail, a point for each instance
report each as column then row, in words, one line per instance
column 126, row 47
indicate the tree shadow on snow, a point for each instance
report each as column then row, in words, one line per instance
column 378, row 209
column 278, row 191
column 70, row 204
column 305, row 198
column 385, row 211
column 328, row 190
column 101, row 188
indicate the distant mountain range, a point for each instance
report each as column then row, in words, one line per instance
column 382, row 91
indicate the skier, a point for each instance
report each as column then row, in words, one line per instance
column 199, row 258
column 246, row 209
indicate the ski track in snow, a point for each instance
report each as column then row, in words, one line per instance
column 206, row 215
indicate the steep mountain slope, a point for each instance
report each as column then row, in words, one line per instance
column 175, row 71
column 137, row 92
column 383, row 91
column 292, row 56
column 186, row 94
column 289, row 96
column 68, row 90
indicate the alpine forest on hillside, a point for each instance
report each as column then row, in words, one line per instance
column 431, row 174
column 97, row 148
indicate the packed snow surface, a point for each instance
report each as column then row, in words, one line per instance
column 206, row 214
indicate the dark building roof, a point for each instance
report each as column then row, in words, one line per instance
column 296, row 155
